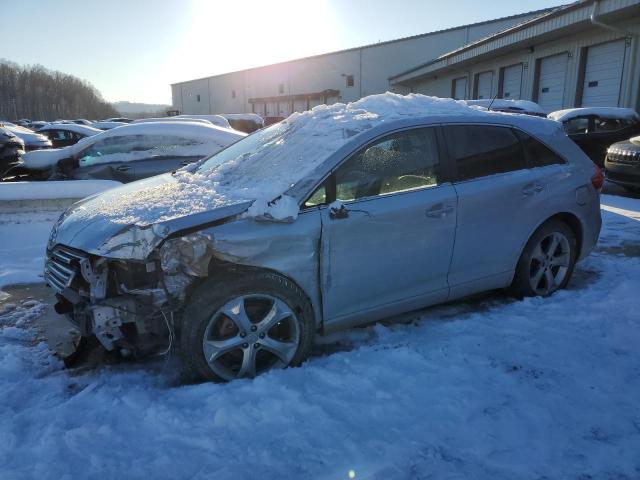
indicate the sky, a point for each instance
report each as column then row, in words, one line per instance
column 134, row 49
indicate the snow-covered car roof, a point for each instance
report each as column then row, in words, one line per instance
column 108, row 125
column 215, row 137
column 254, row 117
column 609, row 112
column 172, row 119
column 71, row 127
column 272, row 166
column 218, row 120
column 524, row 106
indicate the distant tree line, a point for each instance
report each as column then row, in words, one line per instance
column 37, row 93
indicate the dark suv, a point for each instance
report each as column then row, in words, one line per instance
column 622, row 164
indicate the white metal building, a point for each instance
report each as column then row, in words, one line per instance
column 583, row 54
column 279, row 89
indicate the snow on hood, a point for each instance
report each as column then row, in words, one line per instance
column 264, row 166
column 611, row 112
column 211, row 138
column 635, row 140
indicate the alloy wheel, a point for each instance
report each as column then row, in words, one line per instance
column 249, row 335
column 549, row 265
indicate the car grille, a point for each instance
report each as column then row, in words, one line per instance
column 62, row 267
column 624, row 157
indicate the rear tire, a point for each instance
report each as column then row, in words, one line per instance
column 240, row 324
column 547, row 261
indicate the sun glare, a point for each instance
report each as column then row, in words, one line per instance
column 222, row 36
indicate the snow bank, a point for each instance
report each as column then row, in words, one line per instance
column 611, row 112
column 52, row 190
column 491, row 389
column 265, row 165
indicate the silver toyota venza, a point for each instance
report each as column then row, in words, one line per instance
column 335, row 217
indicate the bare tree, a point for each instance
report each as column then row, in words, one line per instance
column 36, row 93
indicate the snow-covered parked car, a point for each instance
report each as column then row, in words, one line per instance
column 525, row 107
column 108, row 124
column 594, row 129
column 245, row 122
column 66, row 134
column 32, row 140
column 334, row 217
column 131, row 152
column 218, row 120
column 11, row 147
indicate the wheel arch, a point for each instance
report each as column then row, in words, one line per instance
column 220, row 268
column 568, row 218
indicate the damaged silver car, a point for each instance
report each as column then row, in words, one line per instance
column 333, row 218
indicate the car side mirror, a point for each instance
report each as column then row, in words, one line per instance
column 337, row 210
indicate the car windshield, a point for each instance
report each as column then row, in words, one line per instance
column 245, row 147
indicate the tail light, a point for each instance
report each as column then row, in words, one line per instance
column 598, row 178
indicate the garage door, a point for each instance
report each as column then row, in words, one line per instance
column 603, row 74
column 512, row 82
column 259, row 108
column 284, row 108
column 300, row 105
column 460, row 88
column 272, row 110
column 551, row 82
column 484, row 85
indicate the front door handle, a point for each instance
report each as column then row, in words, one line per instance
column 439, row 210
column 532, row 189
column 123, row 168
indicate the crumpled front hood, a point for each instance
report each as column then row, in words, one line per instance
column 91, row 226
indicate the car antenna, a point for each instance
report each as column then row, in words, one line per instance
column 491, row 102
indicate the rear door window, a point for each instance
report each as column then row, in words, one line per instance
column 536, row 153
column 603, row 124
column 483, row 150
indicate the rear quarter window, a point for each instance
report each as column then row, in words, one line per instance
column 483, row 150
column 536, row 153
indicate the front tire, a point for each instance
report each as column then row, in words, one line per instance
column 547, row 262
column 243, row 324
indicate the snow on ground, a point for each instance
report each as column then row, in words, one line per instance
column 22, row 246
column 488, row 389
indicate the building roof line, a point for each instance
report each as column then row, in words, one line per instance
column 543, row 16
column 541, row 11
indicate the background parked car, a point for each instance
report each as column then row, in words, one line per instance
column 11, row 147
column 108, row 125
column 218, row 120
column 32, row 140
column 65, row 134
column 245, row 122
column 118, row 119
column 132, row 152
column 594, row 129
column 622, row 165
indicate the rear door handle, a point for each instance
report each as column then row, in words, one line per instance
column 532, row 189
column 439, row 211
column 123, row 168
